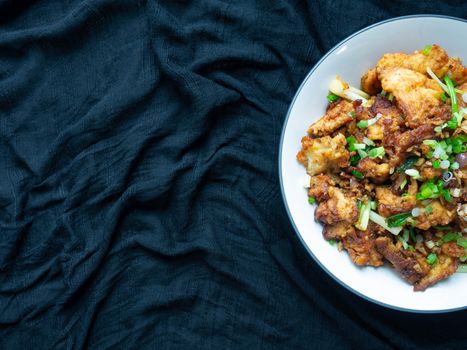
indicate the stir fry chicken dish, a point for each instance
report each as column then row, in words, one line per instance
column 387, row 166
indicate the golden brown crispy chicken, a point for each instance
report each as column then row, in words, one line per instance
column 341, row 206
column 389, row 171
column 417, row 96
column 323, row 154
column 440, row 215
column 337, row 115
column 362, row 249
column 437, row 59
column 370, row 82
column 390, row 204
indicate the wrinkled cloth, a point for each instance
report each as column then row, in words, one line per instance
column 139, row 194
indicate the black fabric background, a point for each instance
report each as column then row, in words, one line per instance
column 139, row 196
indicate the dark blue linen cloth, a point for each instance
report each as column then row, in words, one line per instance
column 139, row 197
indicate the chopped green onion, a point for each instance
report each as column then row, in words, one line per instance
column 462, row 137
column 398, row 219
column 428, row 190
column 446, row 195
column 440, row 83
column 404, row 238
column 311, row 200
column 432, row 258
column 381, row 221
column 362, row 153
column 368, row 142
column 414, row 173
column 436, row 164
column 452, row 124
column 428, row 210
column 458, row 145
column 444, row 164
column 412, row 234
column 383, row 93
column 455, row 166
column 390, row 97
column 403, row 183
column 443, row 97
column 363, row 217
column 409, row 163
column 351, row 141
column 449, row 237
column 442, row 228
column 378, row 152
column 331, row 97
column 458, row 116
column 357, row 174
column 405, row 235
column 440, row 150
column 452, row 94
column 331, row 242
column 405, row 245
column 373, row 205
column 391, row 170
column 362, row 124
column 358, row 146
column 354, row 160
column 462, row 268
column 427, row 49
column 435, row 78
column 462, row 242
column 375, row 119
column 431, row 143
column 351, row 114
column 341, row 89
column 438, row 129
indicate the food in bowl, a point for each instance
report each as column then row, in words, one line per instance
column 387, row 166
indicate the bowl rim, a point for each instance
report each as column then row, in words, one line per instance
column 297, row 232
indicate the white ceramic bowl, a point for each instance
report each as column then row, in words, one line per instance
column 350, row 59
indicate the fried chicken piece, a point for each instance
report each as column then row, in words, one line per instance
column 428, row 172
column 417, row 96
column 453, row 249
column 369, row 168
column 361, row 247
column 411, row 265
column 337, row 115
column 406, row 140
column 375, row 132
column 390, row 122
column 437, row 60
column 323, row 154
column 370, row 82
column 319, row 186
column 390, row 204
column 341, row 206
column 439, row 216
column 338, row 231
column 457, row 71
column 444, row 268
